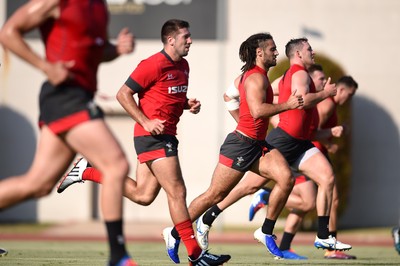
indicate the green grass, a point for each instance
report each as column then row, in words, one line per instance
column 92, row 253
column 24, row 228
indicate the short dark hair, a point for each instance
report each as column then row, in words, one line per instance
column 315, row 67
column 294, row 44
column 348, row 81
column 247, row 50
column 171, row 26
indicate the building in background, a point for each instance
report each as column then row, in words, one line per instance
column 360, row 35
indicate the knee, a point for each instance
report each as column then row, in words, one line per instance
column 309, row 206
column 144, row 200
column 286, row 181
column 178, row 193
column 118, row 170
column 214, row 197
column 331, row 181
column 328, row 181
column 248, row 188
column 123, row 168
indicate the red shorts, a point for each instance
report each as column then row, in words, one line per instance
column 63, row 107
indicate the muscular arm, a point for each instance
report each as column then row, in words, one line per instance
column 325, row 111
column 28, row 17
column 301, row 85
column 256, row 95
column 274, row 120
column 255, row 86
column 125, row 98
column 275, row 88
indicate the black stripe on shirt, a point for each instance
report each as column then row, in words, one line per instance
column 133, row 85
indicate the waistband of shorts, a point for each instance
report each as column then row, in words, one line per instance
column 285, row 134
column 248, row 139
column 288, row 136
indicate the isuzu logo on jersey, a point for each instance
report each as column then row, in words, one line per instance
column 177, row 89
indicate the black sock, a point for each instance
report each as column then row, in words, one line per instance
column 287, row 239
column 208, row 219
column 116, row 241
column 323, row 227
column 268, row 226
column 333, row 233
column 175, row 234
column 211, row 215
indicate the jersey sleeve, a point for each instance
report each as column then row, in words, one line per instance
column 144, row 76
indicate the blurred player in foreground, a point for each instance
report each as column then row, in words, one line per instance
column 76, row 41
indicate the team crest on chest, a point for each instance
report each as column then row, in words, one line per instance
column 170, row 76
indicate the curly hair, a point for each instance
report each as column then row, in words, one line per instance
column 247, row 50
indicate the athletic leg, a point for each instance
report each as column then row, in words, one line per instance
column 145, row 188
column 42, row 175
column 302, row 198
column 318, row 168
column 110, row 160
column 223, row 181
column 249, row 185
column 274, row 166
column 169, row 175
column 300, row 202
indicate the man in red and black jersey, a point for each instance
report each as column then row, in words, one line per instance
column 292, row 136
column 302, row 198
column 346, row 88
column 74, row 33
column 161, row 84
column 245, row 149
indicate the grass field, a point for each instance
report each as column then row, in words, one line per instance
column 93, row 253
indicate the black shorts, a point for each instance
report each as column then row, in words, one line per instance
column 149, row 148
column 240, row 152
column 291, row 148
column 63, row 107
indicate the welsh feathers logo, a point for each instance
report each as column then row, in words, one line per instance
column 239, row 160
column 169, row 147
